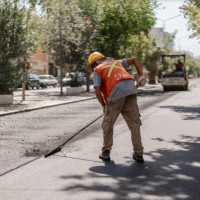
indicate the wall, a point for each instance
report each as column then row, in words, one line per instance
column 41, row 63
column 160, row 35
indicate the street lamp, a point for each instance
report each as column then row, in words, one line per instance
column 167, row 20
column 179, row 41
column 189, row 47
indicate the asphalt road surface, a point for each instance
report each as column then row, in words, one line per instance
column 170, row 135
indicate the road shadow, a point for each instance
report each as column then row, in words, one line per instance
column 172, row 174
column 191, row 113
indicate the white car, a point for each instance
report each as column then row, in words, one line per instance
column 190, row 76
column 47, row 80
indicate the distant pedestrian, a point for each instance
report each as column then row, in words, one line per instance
column 116, row 92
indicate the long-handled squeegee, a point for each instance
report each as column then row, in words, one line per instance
column 57, row 149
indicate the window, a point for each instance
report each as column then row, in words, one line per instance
column 43, row 77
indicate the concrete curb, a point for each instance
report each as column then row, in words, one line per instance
column 47, row 106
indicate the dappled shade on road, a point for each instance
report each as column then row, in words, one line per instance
column 191, row 113
column 171, row 174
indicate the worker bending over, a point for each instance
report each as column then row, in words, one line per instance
column 111, row 80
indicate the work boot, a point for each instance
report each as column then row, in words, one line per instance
column 138, row 158
column 105, row 155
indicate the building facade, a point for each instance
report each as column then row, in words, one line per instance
column 160, row 35
column 41, row 63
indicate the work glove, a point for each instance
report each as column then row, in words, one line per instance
column 142, row 81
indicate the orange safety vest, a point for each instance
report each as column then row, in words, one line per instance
column 111, row 73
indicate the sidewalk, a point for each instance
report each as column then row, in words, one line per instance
column 34, row 102
column 42, row 101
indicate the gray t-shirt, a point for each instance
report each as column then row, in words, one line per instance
column 122, row 89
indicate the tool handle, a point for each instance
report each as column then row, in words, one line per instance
column 138, row 85
column 61, row 146
column 52, row 152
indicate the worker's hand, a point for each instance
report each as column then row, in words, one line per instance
column 142, row 81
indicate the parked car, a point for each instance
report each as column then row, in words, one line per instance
column 47, row 80
column 190, row 75
column 70, row 76
column 67, row 79
column 31, row 82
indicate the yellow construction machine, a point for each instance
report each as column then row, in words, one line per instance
column 174, row 77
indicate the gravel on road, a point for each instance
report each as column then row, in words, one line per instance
column 26, row 136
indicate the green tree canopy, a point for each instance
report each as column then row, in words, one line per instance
column 117, row 20
column 103, row 26
column 191, row 10
column 145, row 49
column 192, row 63
column 15, row 42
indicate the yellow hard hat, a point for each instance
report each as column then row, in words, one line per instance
column 92, row 58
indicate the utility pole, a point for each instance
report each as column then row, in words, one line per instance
column 179, row 41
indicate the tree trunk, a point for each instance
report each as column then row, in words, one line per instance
column 153, row 73
column 23, row 84
column 152, row 76
column 61, row 71
column 87, row 82
column 61, row 50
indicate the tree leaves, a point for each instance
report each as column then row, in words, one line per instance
column 191, row 10
column 15, row 43
column 117, row 20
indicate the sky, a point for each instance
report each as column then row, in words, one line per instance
column 178, row 23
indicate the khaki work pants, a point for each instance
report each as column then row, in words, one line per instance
column 128, row 107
